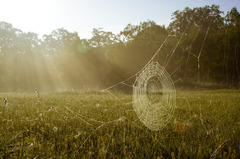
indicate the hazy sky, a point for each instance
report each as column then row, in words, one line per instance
column 44, row 16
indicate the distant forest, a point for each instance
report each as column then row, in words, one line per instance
column 204, row 49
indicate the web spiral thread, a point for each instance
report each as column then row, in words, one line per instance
column 154, row 96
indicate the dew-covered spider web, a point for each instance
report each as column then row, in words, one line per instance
column 153, row 89
column 154, row 96
column 152, row 101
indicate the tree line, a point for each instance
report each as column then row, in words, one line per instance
column 203, row 49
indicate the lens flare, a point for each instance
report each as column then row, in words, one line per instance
column 82, row 48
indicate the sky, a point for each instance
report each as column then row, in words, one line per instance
column 44, row 16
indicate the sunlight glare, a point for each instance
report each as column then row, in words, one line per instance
column 34, row 16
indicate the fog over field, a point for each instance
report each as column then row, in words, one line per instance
column 147, row 88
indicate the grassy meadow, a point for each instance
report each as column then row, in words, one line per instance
column 91, row 124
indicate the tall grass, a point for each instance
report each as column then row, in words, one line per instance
column 90, row 124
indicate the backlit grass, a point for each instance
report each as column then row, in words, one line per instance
column 90, row 124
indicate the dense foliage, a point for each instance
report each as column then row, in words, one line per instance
column 208, row 52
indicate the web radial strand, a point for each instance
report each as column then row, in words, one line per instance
column 154, row 96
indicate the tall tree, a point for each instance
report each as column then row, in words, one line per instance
column 232, row 46
column 199, row 27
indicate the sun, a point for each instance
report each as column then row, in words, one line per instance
column 34, row 16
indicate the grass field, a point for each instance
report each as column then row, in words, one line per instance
column 90, row 124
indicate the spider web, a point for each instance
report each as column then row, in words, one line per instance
column 154, row 93
column 153, row 96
